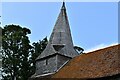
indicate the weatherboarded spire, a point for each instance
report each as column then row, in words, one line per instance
column 59, row 49
column 60, row 41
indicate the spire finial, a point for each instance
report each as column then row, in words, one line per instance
column 63, row 5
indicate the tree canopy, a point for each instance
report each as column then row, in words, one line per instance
column 15, row 50
column 38, row 47
column 79, row 49
column 18, row 61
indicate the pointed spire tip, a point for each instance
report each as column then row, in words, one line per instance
column 63, row 5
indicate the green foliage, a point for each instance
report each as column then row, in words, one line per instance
column 18, row 55
column 16, row 49
column 79, row 49
column 38, row 47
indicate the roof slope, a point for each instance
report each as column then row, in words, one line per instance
column 100, row 63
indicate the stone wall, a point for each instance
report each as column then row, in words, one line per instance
column 50, row 64
column 46, row 65
column 61, row 60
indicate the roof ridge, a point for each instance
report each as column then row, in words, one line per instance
column 103, row 48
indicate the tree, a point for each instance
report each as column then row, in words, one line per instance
column 38, row 47
column 18, row 55
column 16, row 50
column 79, row 49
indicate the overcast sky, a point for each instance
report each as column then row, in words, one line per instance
column 93, row 24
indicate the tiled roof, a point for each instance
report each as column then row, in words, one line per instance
column 100, row 63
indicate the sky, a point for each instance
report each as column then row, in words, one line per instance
column 93, row 24
column 60, row 0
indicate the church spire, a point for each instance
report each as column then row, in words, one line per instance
column 59, row 49
column 60, row 41
column 63, row 5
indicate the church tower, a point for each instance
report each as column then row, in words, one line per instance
column 59, row 49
